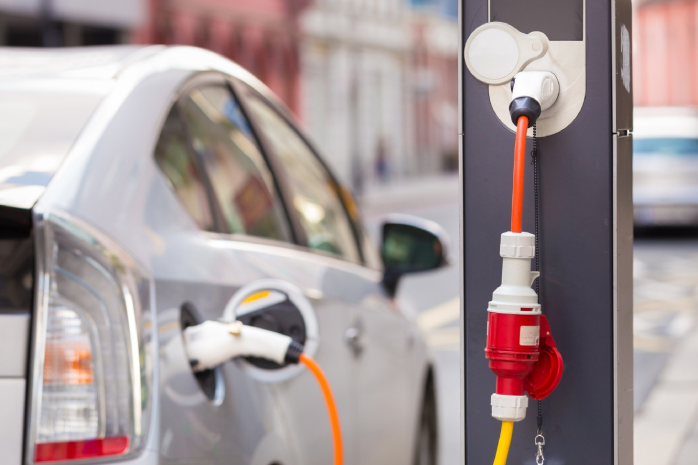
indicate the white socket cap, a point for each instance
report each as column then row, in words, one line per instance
column 509, row 408
column 517, row 245
column 496, row 51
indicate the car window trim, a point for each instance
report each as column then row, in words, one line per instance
column 278, row 173
column 280, row 182
column 283, row 114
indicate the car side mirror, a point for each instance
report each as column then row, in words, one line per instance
column 411, row 245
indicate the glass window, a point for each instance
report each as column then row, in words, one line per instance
column 174, row 159
column 233, row 162
column 316, row 196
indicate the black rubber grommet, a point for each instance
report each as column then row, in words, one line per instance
column 294, row 352
column 524, row 106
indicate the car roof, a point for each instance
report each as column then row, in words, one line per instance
column 80, row 62
column 655, row 122
column 112, row 61
column 97, row 72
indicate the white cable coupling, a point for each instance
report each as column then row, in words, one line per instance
column 509, row 408
column 517, row 245
column 213, row 343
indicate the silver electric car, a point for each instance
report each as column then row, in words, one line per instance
column 141, row 188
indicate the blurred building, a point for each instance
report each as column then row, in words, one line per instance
column 435, row 84
column 375, row 81
column 36, row 23
column 261, row 35
column 665, row 53
column 356, row 86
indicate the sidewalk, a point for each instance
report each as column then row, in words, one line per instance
column 666, row 428
column 415, row 193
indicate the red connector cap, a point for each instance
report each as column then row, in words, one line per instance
column 523, row 355
column 547, row 371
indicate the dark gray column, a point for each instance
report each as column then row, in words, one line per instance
column 586, row 253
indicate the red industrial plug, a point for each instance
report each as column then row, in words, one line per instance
column 520, row 346
column 536, row 369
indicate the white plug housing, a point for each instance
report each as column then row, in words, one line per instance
column 542, row 86
column 515, row 293
column 213, row 343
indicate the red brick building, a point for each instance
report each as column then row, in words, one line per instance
column 665, row 53
column 260, row 35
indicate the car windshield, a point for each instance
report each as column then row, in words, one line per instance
column 37, row 130
column 666, row 145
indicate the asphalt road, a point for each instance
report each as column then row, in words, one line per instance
column 666, row 298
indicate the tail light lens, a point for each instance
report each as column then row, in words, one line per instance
column 93, row 355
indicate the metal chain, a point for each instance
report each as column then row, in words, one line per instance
column 539, row 439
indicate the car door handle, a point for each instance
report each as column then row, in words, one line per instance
column 353, row 338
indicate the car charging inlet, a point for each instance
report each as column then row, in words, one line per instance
column 213, row 343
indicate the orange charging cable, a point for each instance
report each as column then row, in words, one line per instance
column 331, row 407
column 519, row 168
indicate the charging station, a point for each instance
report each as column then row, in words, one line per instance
column 563, row 68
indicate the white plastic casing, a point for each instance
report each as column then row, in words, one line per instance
column 509, row 408
column 495, row 52
column 515, row 293
column 542, row 86
column 211, row 344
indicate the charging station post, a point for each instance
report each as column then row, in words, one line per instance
column 585, row 223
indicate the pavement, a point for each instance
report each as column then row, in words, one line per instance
column 666, row 351
column 665, row 329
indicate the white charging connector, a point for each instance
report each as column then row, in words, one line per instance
column 213, row 343
column 542, row 86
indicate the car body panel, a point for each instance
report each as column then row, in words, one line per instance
column 110, row 180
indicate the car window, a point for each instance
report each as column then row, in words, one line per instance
column 174, row 158
column 234, row 164
column 315, row 194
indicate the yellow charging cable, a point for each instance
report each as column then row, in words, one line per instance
column 504, row 443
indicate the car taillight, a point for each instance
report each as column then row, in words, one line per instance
column 93, row 356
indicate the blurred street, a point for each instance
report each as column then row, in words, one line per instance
column 433, row 295
column 665, row 341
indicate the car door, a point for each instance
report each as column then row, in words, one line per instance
column 250, row 230
column 376, row 334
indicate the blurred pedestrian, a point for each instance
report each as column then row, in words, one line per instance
column 382, row 172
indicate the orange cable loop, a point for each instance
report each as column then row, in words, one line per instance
column 331, row 407
column 519, row 168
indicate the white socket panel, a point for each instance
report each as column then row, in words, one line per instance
column 495, row 52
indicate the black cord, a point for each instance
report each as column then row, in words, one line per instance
column 536, row 196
